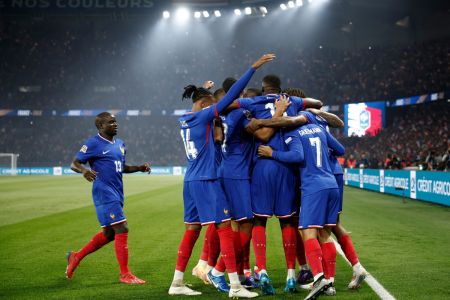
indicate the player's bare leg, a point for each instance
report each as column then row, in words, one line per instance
column 97, row 241
column 184, row 253
column 359, row 273
column 289, row 240
column 121, row 247
column 314, row 255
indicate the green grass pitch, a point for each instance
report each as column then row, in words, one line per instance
column 406, row 246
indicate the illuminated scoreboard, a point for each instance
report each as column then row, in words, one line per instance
column 366, row 118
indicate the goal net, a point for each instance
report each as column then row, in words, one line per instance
column 8, row 163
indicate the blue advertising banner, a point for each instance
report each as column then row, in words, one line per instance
column 421, row 185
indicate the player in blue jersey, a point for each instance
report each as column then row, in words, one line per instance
column 273, row 183
column 310, row 145
column 359, row 272
column 106, row 157
column 204, row 201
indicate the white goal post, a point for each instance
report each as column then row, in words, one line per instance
column 13, row 159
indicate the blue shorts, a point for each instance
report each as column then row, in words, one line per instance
column 319, row 209
column 110, row 214
column 239, row 198
column 205, row 202
column 340, row 183
column 273, row 189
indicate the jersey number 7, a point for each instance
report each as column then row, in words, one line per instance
column 315, row 142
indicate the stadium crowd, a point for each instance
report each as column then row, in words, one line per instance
column 90, row 66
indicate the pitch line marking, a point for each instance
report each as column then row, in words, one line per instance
column 370, row 280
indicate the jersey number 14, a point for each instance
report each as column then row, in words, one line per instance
column 189, row 146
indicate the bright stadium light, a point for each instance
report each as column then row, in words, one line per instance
column 206, row 14
column 237, row 12
column 283, row 6
column 197, row 14
column 248, row 10
column 263, row 10
column 310, row 1
column 182, row 14
column 291, row 4
column 217, row 13
column 299, row 3
column 166, row 14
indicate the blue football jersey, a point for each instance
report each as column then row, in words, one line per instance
column 263, row 107
column 197, row 134
column 318, row 120
column 237, row 147
column 108, row 160
column 310, row 143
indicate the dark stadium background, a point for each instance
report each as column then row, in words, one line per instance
column 87, row 56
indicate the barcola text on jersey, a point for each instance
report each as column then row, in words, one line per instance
column 306, row 131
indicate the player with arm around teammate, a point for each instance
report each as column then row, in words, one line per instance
column 204, row 201
column 309, row 145
column 106, row 157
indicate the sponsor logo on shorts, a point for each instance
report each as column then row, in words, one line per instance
column 112, row 216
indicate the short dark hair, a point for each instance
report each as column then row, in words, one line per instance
column 295, row 92
column 272, row 81
column 228, row 83
column 218, row 92
column 195, row 93
column 100, row 118
column 252, row 92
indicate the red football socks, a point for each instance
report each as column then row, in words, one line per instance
column 97, row 241
column 245, row 243
column 238, row 252
column 205, row 249
column 300, row 249
column 289, row 245
column 220, row 266
column 349, row 251
column 214, row 245
column 329, row 259
column 259, row 246
column 314, row 255
column 121, row 246
column 185, row 249
column 226, row 236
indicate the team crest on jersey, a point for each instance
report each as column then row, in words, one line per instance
column 122, row 149
column 112, row 216
column 225, row 211
column 84, row 149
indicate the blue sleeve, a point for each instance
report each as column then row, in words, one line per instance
column 295, row 153
column 234, row 120
column 245, row 103
column 235, row 90
column 87, row 151
column 298, row 102
column 336, row 148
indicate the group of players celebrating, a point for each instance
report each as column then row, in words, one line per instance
column 251, row 155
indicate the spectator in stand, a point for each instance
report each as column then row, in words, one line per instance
column 351, row 162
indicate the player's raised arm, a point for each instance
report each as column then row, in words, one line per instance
column 78, row 167
column 332, row 120
column 239, row 85
column 133, row 169
column 336, row 147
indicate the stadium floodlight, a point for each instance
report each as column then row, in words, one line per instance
column 310, row 1
column 248, row 10
column 291, row 4
column 299, row 3
column 263, row 10
column 206, row 14
column 237, row 12
column 197, row 14
column 217, row 13
column 283, row 6
column 182, row 14
column 166, row 14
